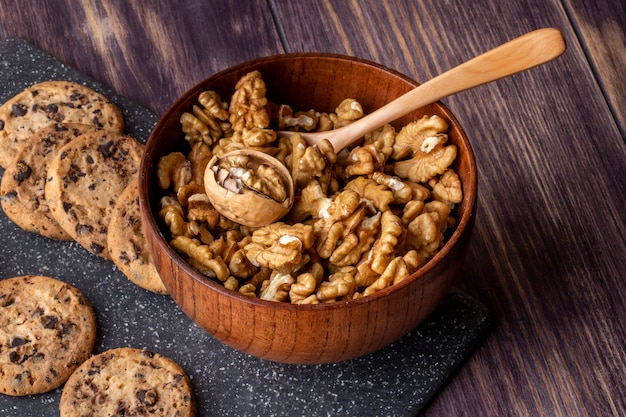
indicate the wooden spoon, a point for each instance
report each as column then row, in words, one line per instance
column 519, row 54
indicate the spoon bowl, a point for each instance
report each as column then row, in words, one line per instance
column 243, row 208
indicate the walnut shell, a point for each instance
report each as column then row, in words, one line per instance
column 251, row 208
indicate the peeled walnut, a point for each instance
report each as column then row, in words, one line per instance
column 201, row 257
column 419, row 136
column 212, row 103
column 364, row 160
column 309, row 162
column 379, row 195
column 199, row 157
column 298, row 121
column 340, row 286
column 447, row 188
column 424, row 234
column 385, row 248
column 402, row 192
column 277, row 288
column 249, row 187
column 355, row 244
column 280, row 246
column 173, row 170
column 248, row 105
column 424, row 166
column 346, row 112
column 302, row 291
column 382, row 139
column 395, row 272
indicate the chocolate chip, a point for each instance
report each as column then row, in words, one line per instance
column 1, row 124
column 96, row 122
column 121, row 409
column 19, row 377
column 14, row 357
column 75, row 173
column 92, row 386
column 76, row 96
column 23, row 172
column 8, row 302
column 93, row 370
column 10, row 195
column 82, row 229
column 67, row 328
column 90, row 159
column 105, row 148
column 124, row 258
column 95, row 248
column 18, row 341
column 57, row 116
column 48, row 142
column 67, row 206
column 18, row 110
column 49, row 322
column 52, row 108
column 148, row 353
column 147, row 397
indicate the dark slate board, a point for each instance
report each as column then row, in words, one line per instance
column 396, row 381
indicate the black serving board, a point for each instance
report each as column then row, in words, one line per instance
column 396, row 381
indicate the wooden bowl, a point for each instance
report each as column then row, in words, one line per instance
column 307, row 334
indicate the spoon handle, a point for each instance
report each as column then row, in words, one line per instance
column 527, row 51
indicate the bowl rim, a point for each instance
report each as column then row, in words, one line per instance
column 462, row 223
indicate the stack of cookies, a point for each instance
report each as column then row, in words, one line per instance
column 67, row 164
column 70, row 173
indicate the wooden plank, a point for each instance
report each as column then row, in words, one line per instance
column 161, row 48
column 601, row 27
column 548, row 248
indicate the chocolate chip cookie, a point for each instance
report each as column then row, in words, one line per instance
column 51, row 102
column 127, row 245
column 128, row 382
column 47, row 329
column 85, row 179
column 22, row 189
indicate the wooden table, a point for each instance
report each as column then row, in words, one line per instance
column 548, row 254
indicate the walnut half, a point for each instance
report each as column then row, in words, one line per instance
column 249, row 187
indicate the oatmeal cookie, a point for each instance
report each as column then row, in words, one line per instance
column 22, row 189
column 128, row 382
column 47, row 329
column 126, row 242
column 85, row 179
column 51, row 102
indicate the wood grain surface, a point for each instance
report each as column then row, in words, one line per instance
column 548, row 252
